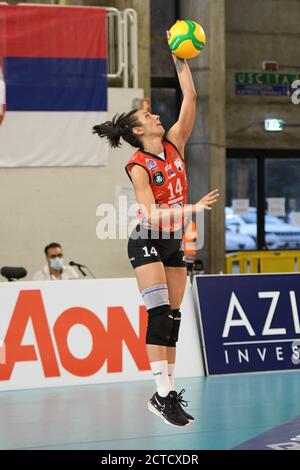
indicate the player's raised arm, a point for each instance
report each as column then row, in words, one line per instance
column 186, row 40
column 181, row 130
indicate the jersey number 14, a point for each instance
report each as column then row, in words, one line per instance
column 178, row 189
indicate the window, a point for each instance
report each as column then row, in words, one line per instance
column 270, row 180
column 165, row 90
column 283, row 181
column 165, row 104
column 241, row 229
column 163, row 15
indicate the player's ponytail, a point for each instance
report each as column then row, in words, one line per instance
column 120, row 126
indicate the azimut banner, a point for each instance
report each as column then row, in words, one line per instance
column 249, row 323
column 56, row 333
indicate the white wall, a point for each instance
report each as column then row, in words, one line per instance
column 41, row 205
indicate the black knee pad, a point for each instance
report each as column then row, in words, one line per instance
column 176, row 314
column 160, row 321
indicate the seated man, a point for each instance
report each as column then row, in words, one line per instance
column 55, row 270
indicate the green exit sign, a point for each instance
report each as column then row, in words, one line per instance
column 254, row 78
column 264, row 84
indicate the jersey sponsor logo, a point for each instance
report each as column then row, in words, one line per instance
column 171, row 174
column 151, row 164
column 158, row 178
column 178, row 164
column 168, row 167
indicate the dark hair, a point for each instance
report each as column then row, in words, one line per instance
column 51, row 245
column 120, row 126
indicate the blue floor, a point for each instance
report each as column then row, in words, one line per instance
column 228, row 411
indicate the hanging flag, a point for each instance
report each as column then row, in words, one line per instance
column 53, row 85
column 2, row 93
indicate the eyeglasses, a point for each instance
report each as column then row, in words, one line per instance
column 59, row 255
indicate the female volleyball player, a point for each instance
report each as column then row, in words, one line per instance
column 157, row 172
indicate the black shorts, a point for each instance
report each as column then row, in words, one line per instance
column 144, row 250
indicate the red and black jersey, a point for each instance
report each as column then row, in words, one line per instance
column 167, row 178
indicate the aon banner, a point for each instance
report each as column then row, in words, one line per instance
column 82, row 332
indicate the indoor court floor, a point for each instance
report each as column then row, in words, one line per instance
column 229, row 410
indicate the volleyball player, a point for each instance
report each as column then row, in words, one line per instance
column 157, row 172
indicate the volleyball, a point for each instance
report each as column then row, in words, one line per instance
column 186, row 39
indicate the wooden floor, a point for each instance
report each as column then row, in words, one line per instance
column 228, row 411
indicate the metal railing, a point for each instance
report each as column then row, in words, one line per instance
column 122, row 44
column 263, row 262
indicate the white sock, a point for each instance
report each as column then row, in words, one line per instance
column 160, row 373
column 171, row 369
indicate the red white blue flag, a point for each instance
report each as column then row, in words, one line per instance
column 53, row 85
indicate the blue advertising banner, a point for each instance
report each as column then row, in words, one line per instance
column 249, row 323
column 263, row 90
column 283, row 437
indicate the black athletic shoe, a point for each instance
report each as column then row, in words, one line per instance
column 168, row 409
column 181, row 402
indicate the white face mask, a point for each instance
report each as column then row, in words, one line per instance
column 57, row 263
